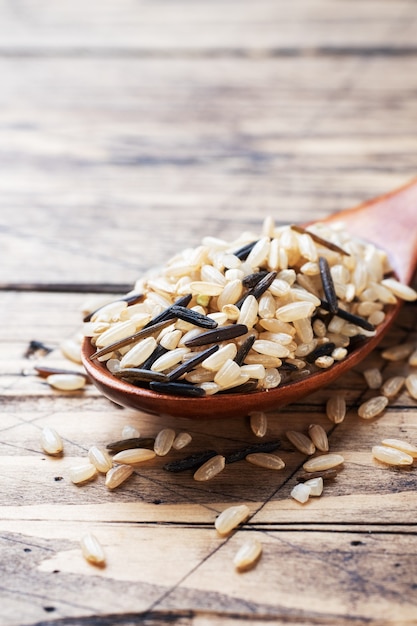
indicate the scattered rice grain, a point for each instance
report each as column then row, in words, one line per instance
column 230, row 518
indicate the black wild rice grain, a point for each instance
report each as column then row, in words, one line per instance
column 193, row 317
column 250, row 385
column 259, row 288
column 190, row 462
column 36, row 347
column 328, row 474
column 350, row 317
column 138, row 374
column 178, row 389
column 188, row 365
column 159, row 351
column 167, row 313
column 218, row 334
column 328, row 285
column 243, row 252
column 323, row 242
column 131, row 443
column 324, row 350
column 251, row 280
column 244, row 349
column 43, row 371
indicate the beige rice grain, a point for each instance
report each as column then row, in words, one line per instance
column 391, row 456
column 318, row 436
column 67, row 382
column 301, row 442
column 323, row 462
column 411, row 385
column 51, row 441
column 117, row 475
column 134, row 456
column 181, row 441
column 92, row 550
column 231, row 518
column 82, row 473
column 139, row 353
column 399, row 444
column 164, row 441
column 258, row 423
column 373, row 377
column 248, row 554
column 316, row 486
column 373, row 407
column 392, row 386
column 336, row 408
column 301, row 492
column 266, row 460
column 398, row 352
column 100, row 458
column 210, row 468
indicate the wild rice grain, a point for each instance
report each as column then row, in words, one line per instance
column 248, row 554
column 323, row 462
column 51, row 442
column 230, row 518
column 391, row 456
column 210, row 468
column 265, row 459
column 92, row 550
column 372, row 407
column 163, row 441
column 117, row 475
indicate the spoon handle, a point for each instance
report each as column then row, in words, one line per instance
column 389, row 221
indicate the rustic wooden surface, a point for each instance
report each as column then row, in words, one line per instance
column 128, row 130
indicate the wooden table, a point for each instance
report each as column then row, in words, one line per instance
column 128, row 131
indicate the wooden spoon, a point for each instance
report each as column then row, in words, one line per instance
column 390, row 222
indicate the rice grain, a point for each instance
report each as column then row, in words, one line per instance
column 92, row 550
column 248, row 554
column 231, row 518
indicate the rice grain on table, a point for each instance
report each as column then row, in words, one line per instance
column 248, row 554
column 266, row 460
column 100, row 458
column 399, row 444
column 82, row 473
column 373, row 407
column 392, row 386
column 315, row 485
column 231, row 518
column 117, row 475
column 411, row 385
column 398, row 352
column 391, row 456
column 67, row 382
column 323, row 462
column 210, row 468
column 134, row 456
column 301, row 442
column 318, row 436
column 336, row 408
column 181, row 440
column 51, row 441
column 92, row 550
column 301, row 492
column 258, row 423
column 164, row 441
column 373, row 377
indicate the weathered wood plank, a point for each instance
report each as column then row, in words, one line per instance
column 150, row 27
column 94, row 166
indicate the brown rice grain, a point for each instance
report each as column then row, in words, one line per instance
column 373, row 377
column 411, row 385
column 164, row 441
column 336, row 408
column 181, row 441
column 391, row 456
column 399, row 444
column 100, row 458
column 372, row 407
column 82, row 473
column 398, row 353
column 51, row 441
column 118, row 475
column 323, row 462
column 210, row 468
column 301, row 442
column 230, row 518
column 318, row 436
column 412, row 359
column 134, row 456
column 248, row 554
column 266, row 460
column 258, row 423
column 392, row 386
column 92, row 550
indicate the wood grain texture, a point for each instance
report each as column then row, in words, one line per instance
column 128, row 131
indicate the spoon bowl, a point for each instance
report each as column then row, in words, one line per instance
column 390, row 222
